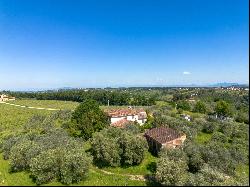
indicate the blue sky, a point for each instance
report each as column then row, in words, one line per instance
column 80, row 43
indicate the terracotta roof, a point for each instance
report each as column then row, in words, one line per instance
column 121, row 123
column 123, row 112
column 142, row 115
column 163, row 134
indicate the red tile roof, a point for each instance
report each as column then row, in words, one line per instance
column 163, row 134
column 121, row 123
column 125, row 112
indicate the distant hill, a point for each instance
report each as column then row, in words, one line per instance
column 228, row 84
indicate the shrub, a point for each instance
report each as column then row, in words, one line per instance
column 242, row 117
column 21, row 153
column 219, row 137
column 223, row 109
column 49, row 153
column 46, row 166
column 8, row 143
column 200, row 107
column 171, row 172
column 218, row 157
column 133, row 127
column 211, row 176
column 115, row 147
column 195, row 161
column 74, row 166
column 68, row 166
column 173, row 154
column 183, row 105
column 209, row 127
column 105, row 150
column 133, row 149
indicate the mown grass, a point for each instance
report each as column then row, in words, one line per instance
column 95, row 178
column 13, row 179
column 47, row 104
column 60, row 104
column 243, row 170
column 12, row 118
column 146, row 167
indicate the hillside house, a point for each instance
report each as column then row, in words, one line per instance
column 160, row 137
column 119, row 117
column 186, row 117
column 4, row 97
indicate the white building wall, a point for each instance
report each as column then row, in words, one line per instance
column 132, row 118
column 129, row 118
column 115, row 119
column 141, row 121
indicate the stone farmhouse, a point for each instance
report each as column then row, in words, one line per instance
column 119, row 117
column 4, row 97
column 160, row 137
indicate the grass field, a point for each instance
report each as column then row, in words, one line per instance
column 59, row 104
column 47, row 104
column 95, row 178
column 12, row 118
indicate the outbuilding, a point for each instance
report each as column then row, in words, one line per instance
column 164, row 137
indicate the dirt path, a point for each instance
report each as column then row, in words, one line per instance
column 31, row 107
column 131, row 177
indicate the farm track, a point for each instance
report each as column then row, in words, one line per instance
column 131, row 177
column 30, row 107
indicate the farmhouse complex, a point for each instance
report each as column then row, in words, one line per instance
column 119, row 117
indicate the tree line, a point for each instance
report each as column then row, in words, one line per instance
column 103, row 97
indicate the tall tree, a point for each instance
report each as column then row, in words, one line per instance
column 223, row 109
column 200, row 107
column 87, row 119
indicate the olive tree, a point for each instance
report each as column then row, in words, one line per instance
column 200, row 107
column 171, row 172
column 74, row 166
column 133, row 148
column 105, row 150
column 46, row 166
column 68, row 166
column 117, row 147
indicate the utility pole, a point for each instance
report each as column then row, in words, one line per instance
column 108, row 102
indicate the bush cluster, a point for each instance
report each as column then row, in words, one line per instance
column 47, row 152
column 115, row 147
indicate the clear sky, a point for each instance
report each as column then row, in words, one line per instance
column 91, row 43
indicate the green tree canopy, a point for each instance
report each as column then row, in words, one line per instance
column 115, row 147
column 223, row 109
column 171, row 168
column 183, row 105
column 200, row 107
column 87, row 119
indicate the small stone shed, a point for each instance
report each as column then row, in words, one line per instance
column 163, row 137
